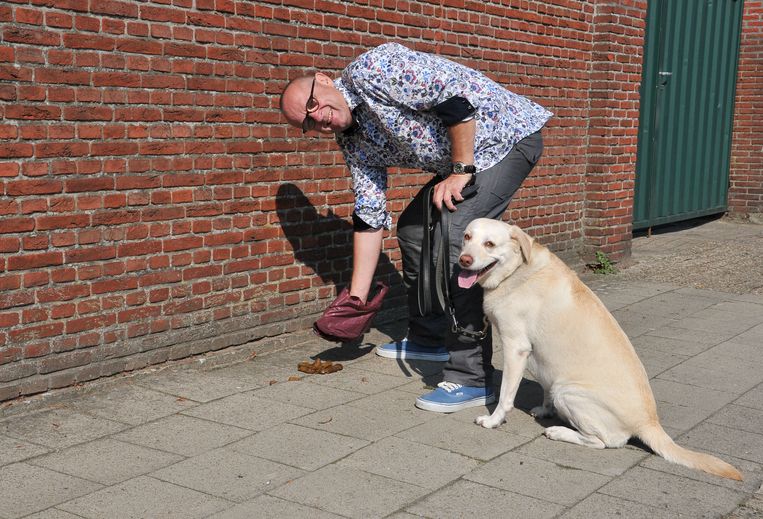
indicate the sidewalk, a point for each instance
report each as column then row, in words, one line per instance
column 243, row 441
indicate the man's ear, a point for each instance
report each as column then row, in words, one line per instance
column 323, row 79
column 524, row 240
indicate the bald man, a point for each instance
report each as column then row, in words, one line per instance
column 395, row 107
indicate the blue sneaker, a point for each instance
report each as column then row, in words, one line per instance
column 450, row 397
column 410, row 350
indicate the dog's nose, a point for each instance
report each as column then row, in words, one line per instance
column 465, row 260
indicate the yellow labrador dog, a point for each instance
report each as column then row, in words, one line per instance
column 550, row 322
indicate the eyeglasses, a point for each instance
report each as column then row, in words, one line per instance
column 308, row 123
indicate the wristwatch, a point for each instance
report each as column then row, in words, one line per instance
column 459, row 168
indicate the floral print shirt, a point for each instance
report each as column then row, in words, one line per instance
column 391, row 91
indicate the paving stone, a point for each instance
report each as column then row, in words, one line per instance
column 739, row 350
column 465, row 438
column 183, row 435
column 716, row 371
column 143, row 497
column 600, row 506
column 366, row 424
column 753, row 398
column 360, row 381
column 656, row 361
column 304, row 393
column 689, row 396
column 269, row 507
column 680, row 347
column 751, row 471
column 262, row 370
column 106, row 461
column 538, row 478
column 350, row 492
column 27, row 489
column 131, row 404
column 199, row 385
column 680, row 417
column 410, row 369
column 399, row 401
column 635, row 324
column 59, row 428
column 608, row 462
column 709, row 337
column 634, row 291
column 754, row 312
column 53, row 513
column 307, row 449
column 727, row 325
column 738, row 417
column 228, row 474
column 13, row 450
column 247, row 411
column 723, row 440
column 470, row 499
column 518, row 421
column 677, row 494
column 753, row 336
column 410, row 462
column 671, row 304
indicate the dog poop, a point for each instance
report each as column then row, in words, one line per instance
column 319, row 366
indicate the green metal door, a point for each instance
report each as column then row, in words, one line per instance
column 687, row 107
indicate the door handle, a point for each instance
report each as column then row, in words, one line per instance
column 664, row 77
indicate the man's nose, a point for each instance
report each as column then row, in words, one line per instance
column 465, row 260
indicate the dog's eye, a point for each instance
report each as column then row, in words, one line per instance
column 489, row 244
column 467, row 237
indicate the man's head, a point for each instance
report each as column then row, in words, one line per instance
column 314, row 103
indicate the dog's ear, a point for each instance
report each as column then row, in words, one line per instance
column 524, row 240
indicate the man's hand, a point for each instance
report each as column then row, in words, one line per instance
column 450, row 189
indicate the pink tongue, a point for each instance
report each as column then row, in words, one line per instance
column 467, row 278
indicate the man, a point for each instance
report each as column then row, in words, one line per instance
column 394, row 107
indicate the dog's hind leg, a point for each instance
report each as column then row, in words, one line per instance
column 596, row 426
column 566, row 434
column 547, row 409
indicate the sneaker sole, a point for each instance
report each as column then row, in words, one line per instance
column 435, row 357
column 452, row 408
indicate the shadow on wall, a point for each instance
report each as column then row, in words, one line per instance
column 324, row 244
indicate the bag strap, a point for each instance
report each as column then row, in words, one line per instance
column 442, row 275
column 425, row 270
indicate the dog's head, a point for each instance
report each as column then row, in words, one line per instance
column 491, row 252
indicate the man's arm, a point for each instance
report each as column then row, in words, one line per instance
column 366, row 249
column 462, row 150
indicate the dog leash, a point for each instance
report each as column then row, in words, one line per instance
column 442, row 269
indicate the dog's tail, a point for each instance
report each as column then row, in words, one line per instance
column 658, row 440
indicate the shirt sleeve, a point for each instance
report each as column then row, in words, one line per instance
column 394, row 74
column 369, row 183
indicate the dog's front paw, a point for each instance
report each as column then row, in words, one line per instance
column 489, row 421
column 542, row 412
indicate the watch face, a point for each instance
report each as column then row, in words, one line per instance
column 458, row 167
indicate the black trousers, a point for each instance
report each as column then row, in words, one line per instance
column 470, row 361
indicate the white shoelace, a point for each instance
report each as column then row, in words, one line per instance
column 449, row 386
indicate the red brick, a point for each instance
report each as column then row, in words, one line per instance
column 29, row 261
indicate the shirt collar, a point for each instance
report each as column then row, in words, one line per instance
column 353, row 99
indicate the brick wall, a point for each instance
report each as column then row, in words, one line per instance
column 155, row 206
column 746, row 178
column 618, row 39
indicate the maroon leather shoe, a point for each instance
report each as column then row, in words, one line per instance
column 347, row 318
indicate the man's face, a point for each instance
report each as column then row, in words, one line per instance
column 325, row 112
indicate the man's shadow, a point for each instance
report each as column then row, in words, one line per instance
column 323, row 243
